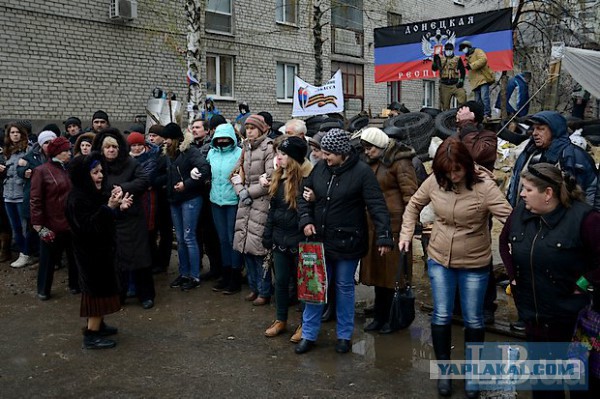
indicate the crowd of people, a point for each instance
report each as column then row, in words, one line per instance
column 247, row 195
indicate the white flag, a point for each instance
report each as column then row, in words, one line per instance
column 312, row 100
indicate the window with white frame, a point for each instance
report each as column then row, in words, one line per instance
column 219, row 76
column 285, row 81
column 287, row 11
column 219, row 16
column 428, row 93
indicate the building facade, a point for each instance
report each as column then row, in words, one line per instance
column 69, row 57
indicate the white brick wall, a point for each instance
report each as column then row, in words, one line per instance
column 65, row 57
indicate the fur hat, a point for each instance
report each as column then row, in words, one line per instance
column 172, row 131
column 295, row 147
column 45, row 136
column 375, row 136
column 336, row 141
column 258, row 121
column 72, row 120
column 100, row 115
column 136, row 138
column 57, row 146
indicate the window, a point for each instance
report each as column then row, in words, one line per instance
column 394, row 92
column 219, row 76
column 347, row 14
column 352, row 78
column 285, row 81
column 219, row 16
column 394, row 19
column 287, row 11
column 428, row 93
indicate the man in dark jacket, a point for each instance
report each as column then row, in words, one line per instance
column 550, row 143
column 452, row 76
column 73, row 129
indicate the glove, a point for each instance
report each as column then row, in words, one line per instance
column 460, row 84
column 195, row 174
column 236, row 179
column 468, row 66
column 245, row 197
column 46, row 235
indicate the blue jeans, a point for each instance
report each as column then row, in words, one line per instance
column 18, row 223
column 224, row 218
column 344, row 270
column 185, row 220
column 482, row 95
column 257, row 280
column 471, row 283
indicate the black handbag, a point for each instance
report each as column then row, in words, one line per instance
column 402, row 312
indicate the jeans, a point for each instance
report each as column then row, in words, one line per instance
column 224, row 218
column 471, row 283
column 185, row 220
column 285, row 264
column 258, row 280
column 482, row 95
column 344, row 270
column 18, row 223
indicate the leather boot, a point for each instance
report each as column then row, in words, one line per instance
column 297, row 336
column 5, row 252
column 442, row 338
column 224, row 281
column 276, row 328
column 472, row 336
column 235, row 283
column 94, row 340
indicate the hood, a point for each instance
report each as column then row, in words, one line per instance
column 560, row 135
column 396, row 151
column 116, row 134
column 79, row 171
column 188, row 139
column 220, row 133
column 80, row 138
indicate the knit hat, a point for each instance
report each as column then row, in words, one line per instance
column 476, row 108
column 336, row 141
column 45, row 136
column 172, row 131
column 267, row 117
column 135, row 128
column 156, row 129
column 215, row 121
column 375, row 136
column 136, row 138
column 294, row 147
column 53, row 127
column 316, row 139
column 57, row 146
column 258, row 121
column 72, row 120
column 100, row 115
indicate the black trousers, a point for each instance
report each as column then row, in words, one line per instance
column 143, row 281
column 161, row 238
column 383, row 303
column 208, row 238
column 51, row 255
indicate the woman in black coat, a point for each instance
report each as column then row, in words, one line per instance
column 91, row 216
column 342, row 187
column 123, row 174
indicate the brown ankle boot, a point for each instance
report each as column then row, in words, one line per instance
column 276, row 328
column 5, row 252
column 297, row 335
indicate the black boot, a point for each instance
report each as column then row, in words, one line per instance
column 472, row 336
column 94, row 340
column 224, row 281
column 235, row 283
column 442, row 337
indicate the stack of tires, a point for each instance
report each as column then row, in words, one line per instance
column 322, row 123
column 414, row 129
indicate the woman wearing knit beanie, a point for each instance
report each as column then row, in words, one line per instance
column 392, row 164
column 343, row 186
column 253, row 208
column 281, row 233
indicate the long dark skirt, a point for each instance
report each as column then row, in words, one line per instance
column 93, row 306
